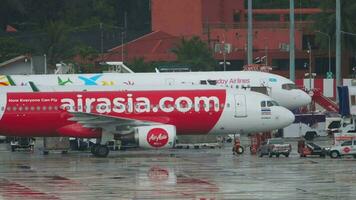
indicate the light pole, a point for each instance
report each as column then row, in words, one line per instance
column 249, row 33
column 310, row 62
column 327, row 35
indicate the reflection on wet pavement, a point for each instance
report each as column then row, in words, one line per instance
column 174, row 174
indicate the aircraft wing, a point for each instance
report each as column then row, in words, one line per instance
column 90, row 120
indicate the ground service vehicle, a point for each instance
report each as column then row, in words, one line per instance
column 347, row 147
column 275, row 146
column 310, row 148
column 22, row 143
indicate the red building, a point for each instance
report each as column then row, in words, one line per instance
column 225, row 21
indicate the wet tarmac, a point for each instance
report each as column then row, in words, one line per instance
column 174, row 174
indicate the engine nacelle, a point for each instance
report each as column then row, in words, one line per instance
column 153, row 137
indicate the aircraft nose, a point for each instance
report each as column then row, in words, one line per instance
column 287, row 117
column 305, row 99
column 301, row 99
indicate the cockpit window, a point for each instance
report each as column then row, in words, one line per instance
column 269, row 103
column 263, row 104
column 272, row 103
column 289, row 86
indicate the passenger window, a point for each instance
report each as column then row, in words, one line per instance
column 237, row 86
column 354, row 142
column 212, row 82
column 8, row 108
column 26, row 108
column 203, row 82
column 14, row 108
column 269, row 104
column 32, row 108
column 263, row 104
column 347, row 143
column 38, row 108
column 2, row 108
column 228, row 105
column 20, row 108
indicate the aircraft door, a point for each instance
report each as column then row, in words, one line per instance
column 240, row 105
column 169, row 81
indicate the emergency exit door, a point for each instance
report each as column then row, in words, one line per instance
column 240, row 106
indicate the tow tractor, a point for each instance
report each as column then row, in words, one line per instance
column 310, row 148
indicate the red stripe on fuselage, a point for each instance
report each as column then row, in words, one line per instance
column 30, row 118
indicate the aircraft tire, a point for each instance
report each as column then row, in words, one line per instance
column 94, row 149
column 102, row 151
column 334, row 154
column 240, row 150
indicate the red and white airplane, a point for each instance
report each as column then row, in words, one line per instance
column 150, row 117
column 278, row 87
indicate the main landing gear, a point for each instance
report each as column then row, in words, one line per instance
column 102, row 150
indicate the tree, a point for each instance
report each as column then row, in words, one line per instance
column 10, row 11
column 139, row 65
column 326, row 22
column 56, row 44
column 195, row 53
column 10, row 48
column 86, row 52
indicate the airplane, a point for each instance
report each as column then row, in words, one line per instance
column 61, row 82
column 90, row 80
column 281, row 89
column 151, row 117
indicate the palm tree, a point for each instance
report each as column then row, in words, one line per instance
column 195, row 53
column 325, row 22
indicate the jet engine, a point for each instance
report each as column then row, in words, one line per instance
column 152, row 137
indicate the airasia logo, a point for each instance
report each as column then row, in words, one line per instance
column 347, row 149
column 131, row 104
column 157, row 137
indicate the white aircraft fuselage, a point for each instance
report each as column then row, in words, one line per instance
column 279, row 88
